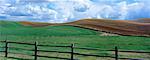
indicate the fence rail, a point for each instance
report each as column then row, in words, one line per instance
column 71, row 52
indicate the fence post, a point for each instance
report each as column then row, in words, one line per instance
column 72, row 51
column 6, row 48
column 35, row 51
column 116, row 53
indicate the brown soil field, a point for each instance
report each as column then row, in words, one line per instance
column 35, row 24
column 121, row 27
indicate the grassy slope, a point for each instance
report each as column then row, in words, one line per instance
column 69, row 34
column 14, row 28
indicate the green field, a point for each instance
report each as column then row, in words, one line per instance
column 65, row 35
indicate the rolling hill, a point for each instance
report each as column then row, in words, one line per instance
column 40, row 29
column 35, row 24
column 120, row 27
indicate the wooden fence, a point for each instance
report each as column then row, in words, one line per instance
column 71, row 52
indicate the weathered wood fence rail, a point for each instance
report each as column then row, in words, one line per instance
column 71, row 52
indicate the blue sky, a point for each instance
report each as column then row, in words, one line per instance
column 58, row 11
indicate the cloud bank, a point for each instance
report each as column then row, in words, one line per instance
column 58, row 11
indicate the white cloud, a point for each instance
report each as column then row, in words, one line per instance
column 68, row 10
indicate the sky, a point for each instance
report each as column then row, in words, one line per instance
column 60, row 11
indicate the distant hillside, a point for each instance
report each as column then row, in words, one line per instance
column 121, row 27
column 35, row 24
column 8, row 24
